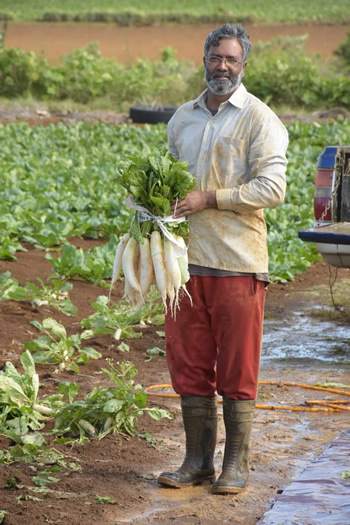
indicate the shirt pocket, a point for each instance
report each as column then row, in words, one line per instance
column 230, row 162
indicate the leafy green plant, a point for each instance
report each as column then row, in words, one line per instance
column 56, row 347
column 120, row 319
column 30, row 453
column 44, row 478
column 123, row 347
column 95, row 265
column 17, row 72
column 55, row 294
column 151, row 352
column 7, row 286
column 82, row 76
column 22, row 413
column 343, row 53
column 155, row 182
column 104, row 410
column 9, row 247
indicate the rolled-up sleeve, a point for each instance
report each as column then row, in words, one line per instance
column 267, row 164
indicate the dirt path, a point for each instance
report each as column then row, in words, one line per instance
column 283, row 442
column 127, row 44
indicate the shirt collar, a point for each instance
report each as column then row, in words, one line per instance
column 237, row 98
column 201, row 100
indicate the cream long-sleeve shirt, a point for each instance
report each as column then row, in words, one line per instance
column 240, row 153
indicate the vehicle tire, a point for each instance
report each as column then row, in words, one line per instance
column 151, row 115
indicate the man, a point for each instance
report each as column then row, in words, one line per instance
column 235, row 147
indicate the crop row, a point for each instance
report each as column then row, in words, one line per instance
column 61, row 182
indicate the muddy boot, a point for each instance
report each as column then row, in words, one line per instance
column 238, row 417
column 200, row 422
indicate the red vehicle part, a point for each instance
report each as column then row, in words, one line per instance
column 331, row 231
column 324, row 183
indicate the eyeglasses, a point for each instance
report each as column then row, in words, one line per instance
column 213, row 59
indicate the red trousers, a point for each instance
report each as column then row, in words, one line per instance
column 214, row 345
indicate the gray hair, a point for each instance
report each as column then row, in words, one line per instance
column 229, row 31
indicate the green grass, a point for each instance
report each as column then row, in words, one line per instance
column 250, row 10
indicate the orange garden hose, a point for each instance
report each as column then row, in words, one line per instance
column 320, row 402
column 327, row 406
column 332, row 404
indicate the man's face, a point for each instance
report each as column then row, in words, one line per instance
column 224, row 76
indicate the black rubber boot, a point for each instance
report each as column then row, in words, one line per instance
column 199, row 415
column 238, row 417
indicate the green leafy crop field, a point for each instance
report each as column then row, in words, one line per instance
column 58, row 182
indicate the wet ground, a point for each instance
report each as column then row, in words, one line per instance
column 306, row 341
column 284, row 441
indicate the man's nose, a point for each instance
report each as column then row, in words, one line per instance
column 222, row 66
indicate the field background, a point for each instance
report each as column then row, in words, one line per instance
column 250, row 10
column 127, row 44
column 62, row 214
column 113, row 57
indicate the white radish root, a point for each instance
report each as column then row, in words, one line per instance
column 87, row 427
column 43, row 409
column 151, row 261
column 174, row 275
column 159, row 266
column 117, row 266
column 130, row 262
column 183, row 265
column 146, row 266
column 183, row 261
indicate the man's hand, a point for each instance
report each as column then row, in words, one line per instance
column 195, row 201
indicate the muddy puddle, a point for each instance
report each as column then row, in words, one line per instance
column 302, row 341
column 282, row 445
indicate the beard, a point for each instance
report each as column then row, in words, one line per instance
column 223, row 86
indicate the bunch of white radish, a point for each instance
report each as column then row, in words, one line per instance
column 152, row 261
column 154, row 250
